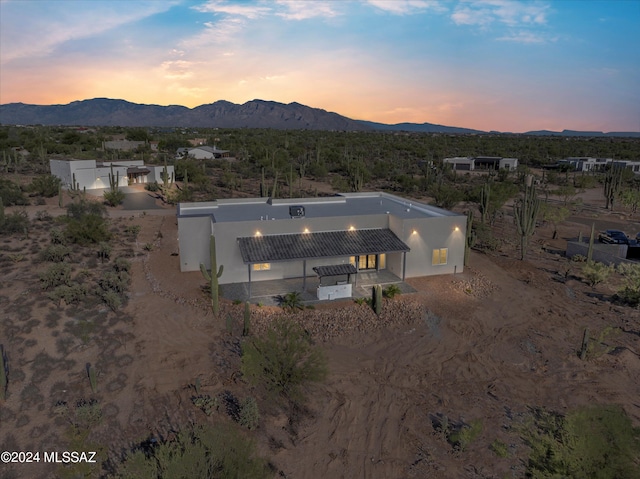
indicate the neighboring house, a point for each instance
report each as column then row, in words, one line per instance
column 203, row 152
column 263, row 239
column 91, row 175
column 481, row 163
column 598, row 164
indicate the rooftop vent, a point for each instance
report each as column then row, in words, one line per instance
column 296, row 211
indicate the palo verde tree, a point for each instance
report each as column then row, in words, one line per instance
column 525, row 214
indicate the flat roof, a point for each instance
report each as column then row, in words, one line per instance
column 327, row 244
column 345, row 204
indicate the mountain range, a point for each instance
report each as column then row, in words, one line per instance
column 221, row 114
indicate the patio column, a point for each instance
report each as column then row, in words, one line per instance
column 249, row 271
column 304, row 275
column 404, row 264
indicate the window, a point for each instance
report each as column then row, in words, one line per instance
column 382, row 261
column 439, row 256
column 262, row 266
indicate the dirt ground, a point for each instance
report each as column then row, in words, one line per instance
column 489, row 344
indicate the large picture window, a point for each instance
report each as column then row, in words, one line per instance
column 439, row 256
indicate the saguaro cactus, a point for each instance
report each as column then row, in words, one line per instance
column 376, row 299
column 525, row 215
column 612, row 184
column 470, row 238
column 114, row 180
column 213, row 275
column 484, row 202
column 93, row 378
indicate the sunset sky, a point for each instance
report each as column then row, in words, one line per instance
column 486, row 64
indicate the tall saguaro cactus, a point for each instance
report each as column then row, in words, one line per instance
column 470, row 239
column 525, row 214
column 485, row 194
column 114, row 180
column 213, row 275
column 612, row 184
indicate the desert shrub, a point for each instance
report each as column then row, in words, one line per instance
column 184, row 194
column 391, row 291
column 16, row 222
column 249, row 413
column 291, row 301
column 88, row 229
column 117, row 281
column 11, row 193
column 87, row 413
column 122, row 264
column 595, row 273
column 595, row 441
column 218, row 452
column 283, row 360
column 104, row 250
column 43, row 215
column 465, row 434
column 445, row 196
column 206, row 403
column 485, row 239
column 152, row 186
column 81, row 209
column 56, row 235
column 630, row 293
column 45, row 185
column 578, row 258
column 56, row 275
column 70, row 294
column 55, row 253
column 114, row 198
column 111, row 299
column 499, row 448
column 133, row 230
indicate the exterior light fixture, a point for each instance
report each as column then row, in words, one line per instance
column 414, row 232
column 352, row 228
column 456, row 228
column 258, row 233
column 306, row 230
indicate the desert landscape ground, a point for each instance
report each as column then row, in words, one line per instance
column 481, row 347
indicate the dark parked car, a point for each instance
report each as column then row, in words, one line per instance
column 613, row 237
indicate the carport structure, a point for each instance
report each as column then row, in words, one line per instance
column 300, row 247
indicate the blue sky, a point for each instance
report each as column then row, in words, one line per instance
column 486, row 64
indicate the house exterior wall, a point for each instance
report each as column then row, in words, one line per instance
column 199, row 154
column 155, row 173
column 423, row 235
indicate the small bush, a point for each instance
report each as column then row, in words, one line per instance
column 122, row 264
column 391, row 291
column 249, row 414
column 499, row 448
column 596, row 273
column 11, row 193
column 16, row 222
column 465, row 435
column 104, row 250
column 57, row 236
column 88, row 229
column 284, row 360
column 43, row 215
column 45, row 185
column 58, row 274
column 152, row 186
column 55, row 253
column 205, row 402
column 114, row 198
column 70, row 294
column 291, row 301
column 133, row 230
column 115, row 281
column 112, row 300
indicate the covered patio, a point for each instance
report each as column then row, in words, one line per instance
column 301, row 247
column 266, row 292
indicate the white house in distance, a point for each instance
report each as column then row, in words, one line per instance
column 587, row 163
column 90, row 174
column 468, row 163
column 264, row 239
column 202, row 153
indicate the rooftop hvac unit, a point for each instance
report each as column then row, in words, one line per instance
column 296, row 211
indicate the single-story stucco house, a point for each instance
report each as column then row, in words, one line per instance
column 90, row 174
column 264, row 239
